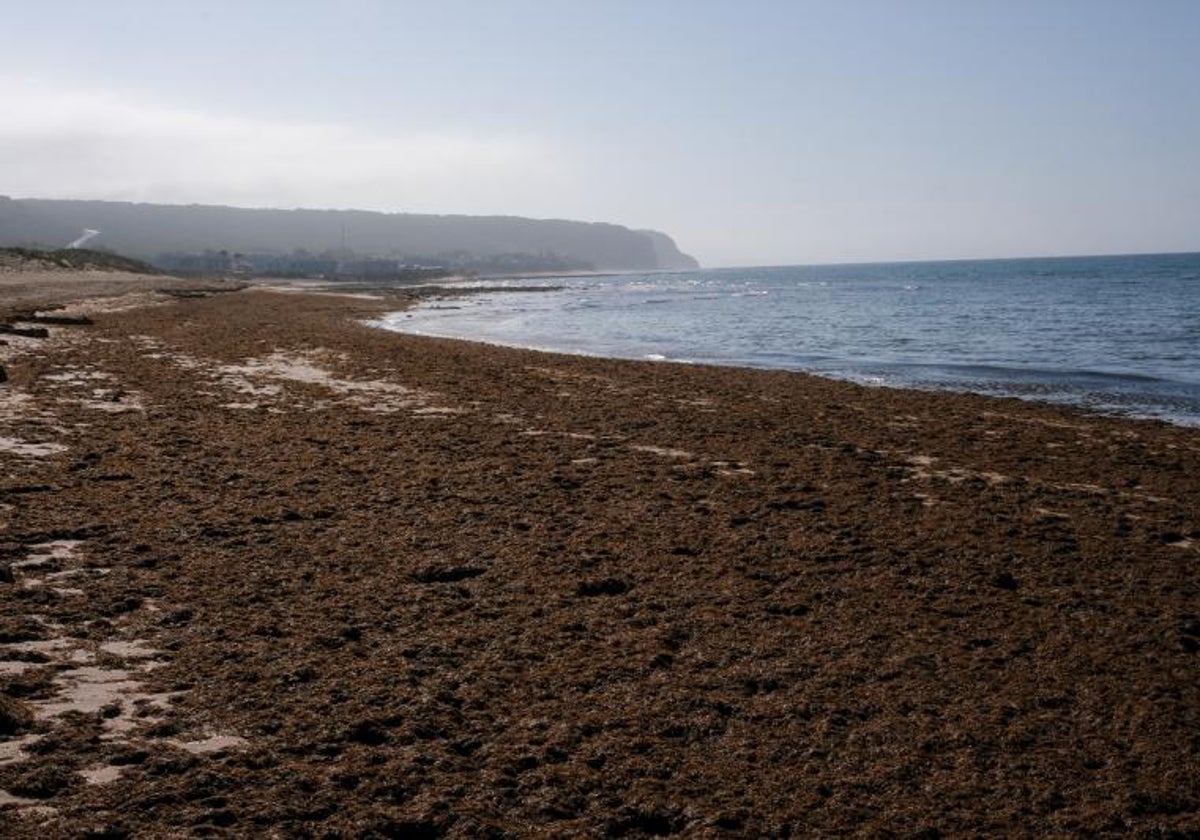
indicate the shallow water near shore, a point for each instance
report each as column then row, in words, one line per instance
column 1114, row 334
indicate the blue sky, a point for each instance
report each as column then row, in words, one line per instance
column 752, row 132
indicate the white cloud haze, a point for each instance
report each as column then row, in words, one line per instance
column 769, row 132
column 72, row 143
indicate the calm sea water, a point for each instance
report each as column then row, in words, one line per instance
column 1115, row 334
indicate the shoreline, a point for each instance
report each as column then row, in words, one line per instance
column 933, row 390
column 308, row 575
column 1109, row 411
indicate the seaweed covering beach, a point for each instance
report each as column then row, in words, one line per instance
column 267, row 571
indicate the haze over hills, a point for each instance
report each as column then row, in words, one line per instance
column 161, row 233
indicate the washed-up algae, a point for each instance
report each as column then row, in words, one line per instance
column 325, row 580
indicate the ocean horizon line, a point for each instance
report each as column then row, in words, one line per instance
column 922, row 261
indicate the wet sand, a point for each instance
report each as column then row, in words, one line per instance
column 271, row 572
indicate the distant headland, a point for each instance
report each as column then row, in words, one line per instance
column 215, row 239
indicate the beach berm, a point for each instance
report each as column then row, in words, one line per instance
column 270, row 571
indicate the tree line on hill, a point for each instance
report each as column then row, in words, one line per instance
column 334, row 242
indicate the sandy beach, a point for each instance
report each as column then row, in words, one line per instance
column 267, row 571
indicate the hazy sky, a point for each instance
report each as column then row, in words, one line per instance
column 752, row 132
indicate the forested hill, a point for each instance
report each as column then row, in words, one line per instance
column 148, row 231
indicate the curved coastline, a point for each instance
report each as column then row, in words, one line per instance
column 356, row 580
column 1134, row 408
column 605, row 317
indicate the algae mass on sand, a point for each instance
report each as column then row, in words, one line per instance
column 277, row 571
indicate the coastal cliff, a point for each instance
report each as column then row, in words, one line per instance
column 150, row 231
column 667, row 253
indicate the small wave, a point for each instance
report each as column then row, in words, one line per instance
column 865, row 379
column 1009, row 372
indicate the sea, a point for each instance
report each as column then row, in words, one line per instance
column 1114, row 334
